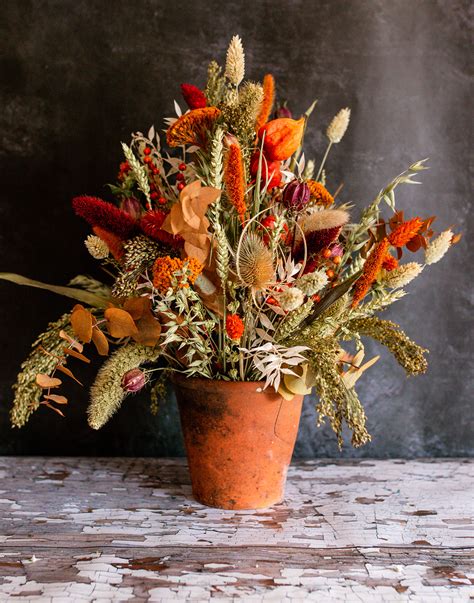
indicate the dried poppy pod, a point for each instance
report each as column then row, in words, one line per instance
column 296, row 195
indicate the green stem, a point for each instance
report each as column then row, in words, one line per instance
column 321, row 167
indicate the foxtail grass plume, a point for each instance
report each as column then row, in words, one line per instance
column 255, row 264
column 107, row 392
column 338, row 126
column 401, row 276
column 235, row 62
column 96, row 247
column 438, row 247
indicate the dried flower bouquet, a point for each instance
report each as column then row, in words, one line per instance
column 232, row 260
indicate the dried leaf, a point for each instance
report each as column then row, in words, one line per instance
column 46, row 381
column 136, row 306
column 81, row 322
column 149, row 330
column 56, row 398
column 76, row 355
column 67, row 372
column 46, row 403
column 72, row 342
column 120, row 323
column 100, row 342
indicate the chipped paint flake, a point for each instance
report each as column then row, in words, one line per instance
column 348, row 531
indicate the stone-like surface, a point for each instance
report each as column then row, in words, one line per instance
column 128, row 530
column 78, row 77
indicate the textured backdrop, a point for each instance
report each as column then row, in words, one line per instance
column 78, row 77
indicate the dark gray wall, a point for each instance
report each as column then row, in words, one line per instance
column 78, row 77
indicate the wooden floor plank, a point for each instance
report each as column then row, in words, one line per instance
column 127, row 529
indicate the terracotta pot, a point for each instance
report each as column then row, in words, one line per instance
column 239, row 441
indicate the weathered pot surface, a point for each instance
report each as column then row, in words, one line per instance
column 239, row 440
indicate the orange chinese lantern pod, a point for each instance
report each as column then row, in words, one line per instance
column 282, row 137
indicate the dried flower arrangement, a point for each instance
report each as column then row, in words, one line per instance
column 232, row 261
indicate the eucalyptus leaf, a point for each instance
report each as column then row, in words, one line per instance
column 78, row 294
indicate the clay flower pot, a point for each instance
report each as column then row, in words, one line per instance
column 239, row 441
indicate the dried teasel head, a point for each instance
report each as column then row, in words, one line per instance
column 254, row 263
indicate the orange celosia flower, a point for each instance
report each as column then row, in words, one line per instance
column 165, row 267
column 371, row 268
column 268, row 100
column 113, row 242
column 319, row 193
column 192, row 127
column 234, row 179
column 234, row 326
column 389, row 263
column 405, row 231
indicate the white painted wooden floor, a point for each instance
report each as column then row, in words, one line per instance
column 78, row 529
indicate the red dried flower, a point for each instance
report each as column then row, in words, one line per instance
column 194, row 97
column 151, row 224
column 113, row 242
column 234, row 326
column 107, row 216
column 316, row 241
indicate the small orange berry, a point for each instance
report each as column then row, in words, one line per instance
column 330, row 273
column 337, row 260
column 316, row 298
column 327, row 253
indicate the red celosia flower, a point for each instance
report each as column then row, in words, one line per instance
column 316, row 241
column 405, row 232
column 107, row 216
column 194, row 97
column 151, row 224
column 371, row 268
column 113, row 242
column 234, row 326
column 389, row 263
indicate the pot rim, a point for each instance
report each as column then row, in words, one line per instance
column 182, row 380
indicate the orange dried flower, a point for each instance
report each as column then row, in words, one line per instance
column 268, row 100
column 389, row 263
column 234, row 326
column 234, row 179
column 192, row 127
column 282, row 137
column 113, row 242
column 319, row 193
column 165, row 267
column 405, row 232
column 372, row 266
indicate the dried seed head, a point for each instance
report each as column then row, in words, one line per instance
column 255, row 264
column 438, row 247
column 96, row 247
column 338, row 126
column 235, row 62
